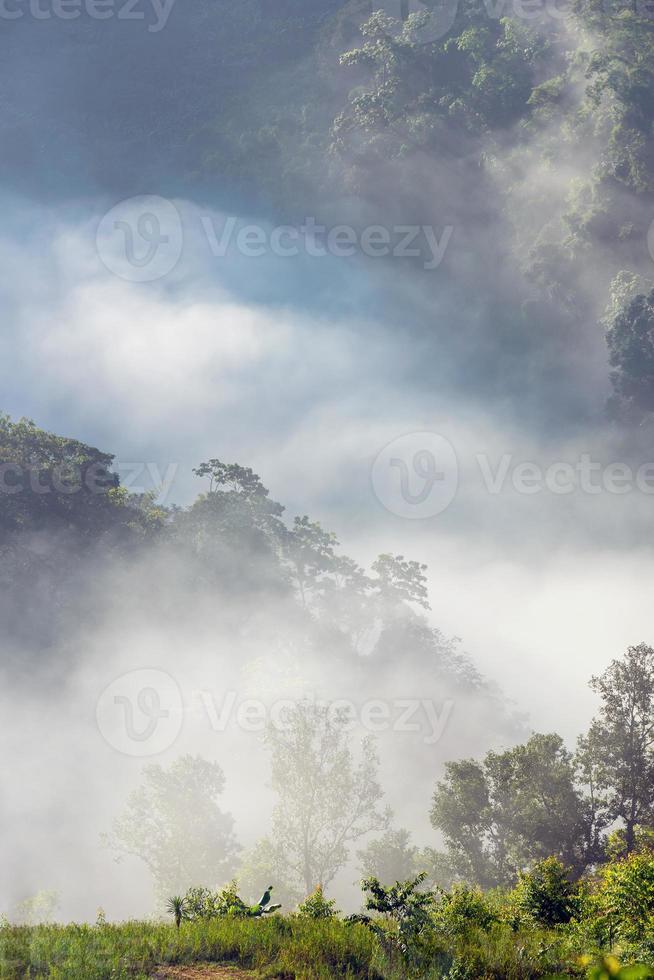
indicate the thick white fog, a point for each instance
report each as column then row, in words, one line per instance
column 292, row 368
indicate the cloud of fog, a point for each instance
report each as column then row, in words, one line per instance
column 304, row 369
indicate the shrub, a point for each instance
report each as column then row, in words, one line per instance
column 546, row 893
column 626, row 893
column 176, row 907
column 316, row 906
column 202, row 903
column 407, row 924
column 463, row 908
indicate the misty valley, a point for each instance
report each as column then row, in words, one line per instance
column 326, row 484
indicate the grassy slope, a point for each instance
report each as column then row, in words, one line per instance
column 135, row 949
column 277, row 947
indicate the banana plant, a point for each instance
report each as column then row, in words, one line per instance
column 263, row 907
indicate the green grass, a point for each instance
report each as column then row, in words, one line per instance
column 278, row 947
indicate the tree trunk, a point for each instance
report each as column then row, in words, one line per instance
column 630, row 836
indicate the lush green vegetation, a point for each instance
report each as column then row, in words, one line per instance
column 541, row 928
column 136, row 949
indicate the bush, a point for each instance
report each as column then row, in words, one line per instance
column 546, row 893
column 463, row 908
column 316, row 906
column 626, row 894
column 404, row 922
column 202, row 903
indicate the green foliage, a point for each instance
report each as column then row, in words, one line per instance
column 137, row 950
column 389, row 858
column 623, row 288
column 545, row 893
column 232, row 540
column 62, row 485
column 617, row 847
column 38, row 908
column 537, row 801
column 400, row 581
column 609, row 968
column 316, row 906
column 311, row 552
column 626, row 894
column 176, row 906
column 418, row 95
column 407, row 931
column 464, row 908
column 509, row 810
column 620, row 741
column 406, row 916
column 201, row 904
column 261, row 864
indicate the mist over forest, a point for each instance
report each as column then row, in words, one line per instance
column 327, row 373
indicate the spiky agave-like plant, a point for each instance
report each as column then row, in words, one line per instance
column 177, row 907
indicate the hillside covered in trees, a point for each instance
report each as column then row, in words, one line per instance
column 384, row 268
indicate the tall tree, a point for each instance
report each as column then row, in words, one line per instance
column 174, row 824
column 236, row 529
column 621, row 739
column 513, row 808
column 326, row 800
column 310, row 553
